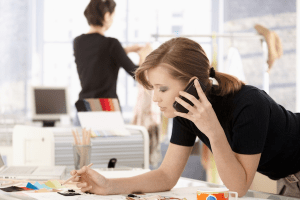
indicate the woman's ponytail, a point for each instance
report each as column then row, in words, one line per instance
column 227, row 84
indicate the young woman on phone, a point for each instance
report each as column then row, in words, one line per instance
column 246, row 130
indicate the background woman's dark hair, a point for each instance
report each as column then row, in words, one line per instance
column 96, row 10
column 186, row 59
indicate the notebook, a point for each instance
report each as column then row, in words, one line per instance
column 32, row 172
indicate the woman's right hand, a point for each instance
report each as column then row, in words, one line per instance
column 133, row 48
column 146, row 49
column 91, row 181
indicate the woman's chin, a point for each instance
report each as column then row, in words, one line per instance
column 168, row 114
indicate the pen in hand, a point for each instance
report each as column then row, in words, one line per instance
column 74, row 176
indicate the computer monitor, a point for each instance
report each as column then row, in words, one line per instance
column 49, row 104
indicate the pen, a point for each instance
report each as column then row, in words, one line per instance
column 74, row 176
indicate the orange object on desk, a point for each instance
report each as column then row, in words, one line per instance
column 216, row 196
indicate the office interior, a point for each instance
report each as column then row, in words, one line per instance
column 36, row 51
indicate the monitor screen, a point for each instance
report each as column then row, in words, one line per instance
column 49, row 103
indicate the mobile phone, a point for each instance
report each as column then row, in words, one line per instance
column 191, row 89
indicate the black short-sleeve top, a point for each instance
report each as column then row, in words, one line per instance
column 98, row 59
column 253, row 123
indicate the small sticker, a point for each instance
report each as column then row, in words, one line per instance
column 211, row 197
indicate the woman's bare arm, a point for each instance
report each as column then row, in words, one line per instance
column 236, row 170
column 162, row 179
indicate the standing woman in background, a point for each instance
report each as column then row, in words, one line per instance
column 99, row 58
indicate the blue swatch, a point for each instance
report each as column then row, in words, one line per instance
column 30, row 186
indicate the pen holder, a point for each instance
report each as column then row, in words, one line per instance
column 82, row 155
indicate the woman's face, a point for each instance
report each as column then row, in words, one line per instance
column 112, row 16
column 166, row 88
column 108, row 19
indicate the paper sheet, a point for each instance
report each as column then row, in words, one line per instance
column 42, row 190
column 14, row 196
column 102, row 120
column 56, row 196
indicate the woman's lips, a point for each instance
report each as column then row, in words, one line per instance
column 163, row 108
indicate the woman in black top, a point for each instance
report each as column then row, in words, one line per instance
column 246, row 130
column 99, row 58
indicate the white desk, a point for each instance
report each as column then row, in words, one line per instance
column 186, row 187
column 188, row 191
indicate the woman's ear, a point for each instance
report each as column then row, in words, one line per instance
column 107, row 17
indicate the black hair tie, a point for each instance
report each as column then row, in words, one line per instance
column 212, row 72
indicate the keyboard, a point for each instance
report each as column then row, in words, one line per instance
column 18, row 170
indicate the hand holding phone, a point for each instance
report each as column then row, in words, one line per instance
column 191, row 89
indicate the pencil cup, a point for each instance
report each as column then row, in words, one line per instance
column 82, row 155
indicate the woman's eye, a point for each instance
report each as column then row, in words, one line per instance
column 163, row 89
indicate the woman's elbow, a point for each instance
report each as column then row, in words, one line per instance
column 169, row 181
column 174, row 184
column 240, row 191
column 167, row 186
column 170, row 184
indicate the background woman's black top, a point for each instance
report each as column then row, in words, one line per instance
column 255, row 124
column 98, row 60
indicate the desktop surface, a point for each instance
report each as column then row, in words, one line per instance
column 185, row 188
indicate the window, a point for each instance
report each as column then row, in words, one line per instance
column 177, row 30
column 134, row 23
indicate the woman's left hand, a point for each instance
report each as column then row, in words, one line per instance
column 201, row 114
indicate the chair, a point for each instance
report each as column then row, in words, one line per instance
column 32, row 146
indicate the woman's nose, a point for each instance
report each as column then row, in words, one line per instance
column 155, row 97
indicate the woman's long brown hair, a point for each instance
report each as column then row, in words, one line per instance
column 185, row 59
